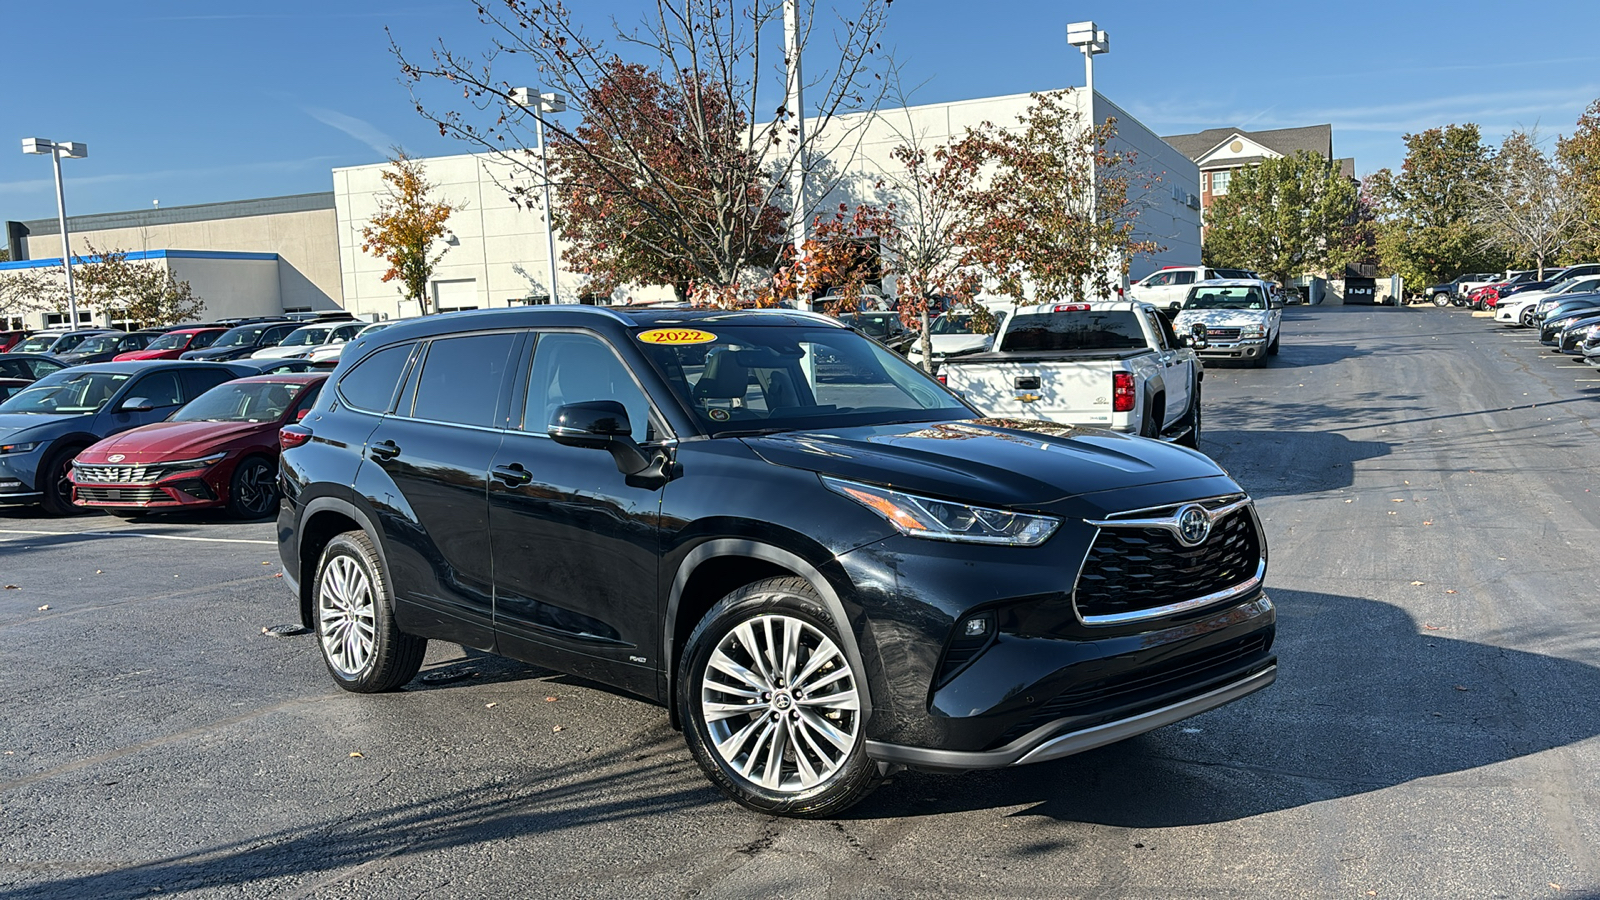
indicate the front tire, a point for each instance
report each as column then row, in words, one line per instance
column 363, row 649
column 1527, row 318
column 1272, row 348
column 55, row 481
column 1441, row 300
column 771, row 704
column 253, row 490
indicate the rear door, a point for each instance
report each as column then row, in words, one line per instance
column 576, row 546
column 435, row 449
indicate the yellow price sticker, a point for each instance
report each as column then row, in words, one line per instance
column 676, row 336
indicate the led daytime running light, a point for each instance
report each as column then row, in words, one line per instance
column 944, row 520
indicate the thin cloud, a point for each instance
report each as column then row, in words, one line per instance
column 360, row 129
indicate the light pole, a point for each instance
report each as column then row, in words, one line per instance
column 1092, row 41
column 795, row 104
column 548, row 103
column 70, row 150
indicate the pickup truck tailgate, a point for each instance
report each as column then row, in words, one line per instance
column 1057, row 391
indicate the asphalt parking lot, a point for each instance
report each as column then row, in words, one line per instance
column 1425, row 481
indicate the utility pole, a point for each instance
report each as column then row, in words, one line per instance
column 795, row 104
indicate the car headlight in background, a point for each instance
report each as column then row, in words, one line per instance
column 200, row 463
column 1253, row 331
column 19, row 448
column 943, row 520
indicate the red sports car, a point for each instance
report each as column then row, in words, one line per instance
column 219, row 450
column 173, row 343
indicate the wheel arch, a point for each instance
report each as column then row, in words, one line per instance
column 323, row 519
column 720, row 566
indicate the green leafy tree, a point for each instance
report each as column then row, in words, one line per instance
column 1427, row 216
column 1286, row 217
column 1025, row 203
column 1578, row 157
column 133, row 290
column 407, row 227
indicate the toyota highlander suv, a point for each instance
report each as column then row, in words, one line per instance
column 823, row 564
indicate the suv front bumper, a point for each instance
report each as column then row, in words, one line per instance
column 1254, row 348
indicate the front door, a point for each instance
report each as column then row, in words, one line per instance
column 435, row 450
column 576, row 548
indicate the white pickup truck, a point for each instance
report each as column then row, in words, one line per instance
column 1115, row 365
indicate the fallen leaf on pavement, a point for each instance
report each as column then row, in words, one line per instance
column 357, row 755
column 490, row 705
column 98, row 572
column 266, row 564
column 12, row 587
column 1427, row 523
column 44, row 607
column 278, row 575
column 556, row 728
column 549, row 699
column 1396, row 501
column 1449, row 592
column 1433, row 627
column 1414, row 583
column 1461, row 687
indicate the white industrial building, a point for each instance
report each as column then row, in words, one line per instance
column 496, row 254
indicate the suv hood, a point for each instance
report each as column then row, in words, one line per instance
column 1220, row 318
column 996, row 462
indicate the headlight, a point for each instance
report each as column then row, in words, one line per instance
column 1253, row 331
column 942, row 520
column 1593, row 332
column 200, row 463
column 18, row 448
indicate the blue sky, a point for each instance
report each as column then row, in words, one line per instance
column 195, row 102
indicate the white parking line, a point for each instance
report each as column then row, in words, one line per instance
column 159, row 537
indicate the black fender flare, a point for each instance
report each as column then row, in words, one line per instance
column 752, row 549
column 349, row 510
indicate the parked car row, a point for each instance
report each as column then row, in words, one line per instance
column 1568, row 321
column 135, row 436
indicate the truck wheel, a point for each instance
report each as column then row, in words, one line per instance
column 1192, row 439
column 1272, row 348
column 771, row 706
column 1441, row 300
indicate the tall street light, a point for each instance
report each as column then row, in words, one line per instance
column 794, row 103
column 57, row 150
column 1093, row 42
column 548, row 104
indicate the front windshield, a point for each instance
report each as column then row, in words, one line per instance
column 249, row 401
column 102, row 344
column 780, row 378
column 170, row 341
column 240, row 337
column 1243, row 297
column 75, row 395
column 306, row 337
column 952, row 323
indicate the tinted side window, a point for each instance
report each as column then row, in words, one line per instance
column 275, row 334
column 1183, row 278
column 573, row 368
column 461, row 379
column 158, row 389
column 371, row 384
column 197, row 382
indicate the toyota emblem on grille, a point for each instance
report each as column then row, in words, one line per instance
column 115, row 457
column 1194, row 525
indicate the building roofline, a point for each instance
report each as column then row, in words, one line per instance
column 174, row 215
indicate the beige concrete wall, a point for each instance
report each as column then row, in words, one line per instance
column 306, row 243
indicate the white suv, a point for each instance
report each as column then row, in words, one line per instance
column 1165, row 289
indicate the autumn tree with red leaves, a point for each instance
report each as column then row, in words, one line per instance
column 406, row 227
column 681, row 172
column 1025, row 199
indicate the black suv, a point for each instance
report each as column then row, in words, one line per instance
column 823, row 563
column 240, row 342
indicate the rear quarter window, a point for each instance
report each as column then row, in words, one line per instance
column 372, row 384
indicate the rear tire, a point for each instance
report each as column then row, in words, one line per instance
column 52, row 479
column 1192, row 439
column 1441, row 300
column 800, row 748
column 1150, row 426
column 362, row 647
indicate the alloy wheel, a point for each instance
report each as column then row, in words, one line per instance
column 780, row 702
column 256, row 488
column 346, row 615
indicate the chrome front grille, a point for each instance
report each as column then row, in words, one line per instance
column 1222, row 334
column 1135, row 570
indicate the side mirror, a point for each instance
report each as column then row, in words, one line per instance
column 1197, row 336
column 599, row 425
column 136, row 404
